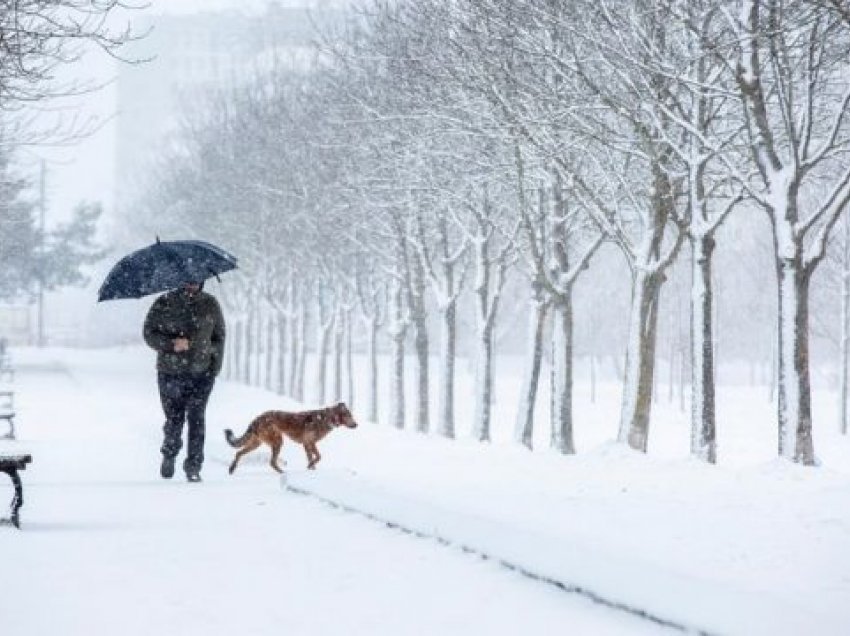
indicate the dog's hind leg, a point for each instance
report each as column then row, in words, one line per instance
column 253, row 444
column 276, row 445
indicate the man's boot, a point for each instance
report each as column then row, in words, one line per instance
column 167, row 467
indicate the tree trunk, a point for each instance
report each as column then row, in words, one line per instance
column 562, row 350
column 420, row 343
column 282, row 327
column 258, row 348
column 487, row 295
column 225, row 363
column 248, row 346
column 448, row 345
column 227, row 367
column 294, row 326
column 703, row 433
column 397, row 395
column 349, row 363
column 640, row 360
column 794, row 404
column 300, row 346
column 323, row 333
column 524, row 427
column 483, row 384
column 372, row 345
column 774, row 371
column 397, row 329
column 296, row 320
column 270, row 350
column 236, row 353
column 338, row 345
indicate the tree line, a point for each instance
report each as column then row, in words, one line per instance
column 435, row 149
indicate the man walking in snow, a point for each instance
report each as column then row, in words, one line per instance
column 186, row 329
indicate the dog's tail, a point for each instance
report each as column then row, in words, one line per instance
column 236, row 442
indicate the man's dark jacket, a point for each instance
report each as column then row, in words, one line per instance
column 198, row 318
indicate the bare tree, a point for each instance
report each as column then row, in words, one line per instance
column 791, row 68
column 441, row 255
column 697, row 117
column 37, row 39
column 632, row 191
column 371, row 296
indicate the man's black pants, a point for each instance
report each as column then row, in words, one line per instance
column 184, row 398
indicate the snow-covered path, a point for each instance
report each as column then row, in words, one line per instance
column 107, row 547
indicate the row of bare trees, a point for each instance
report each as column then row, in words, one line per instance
column 441, row 148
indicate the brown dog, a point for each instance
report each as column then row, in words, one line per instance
column 306, row 428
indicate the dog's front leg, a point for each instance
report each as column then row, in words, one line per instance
column 276, row 445
column 309, row 453
column 316, row 456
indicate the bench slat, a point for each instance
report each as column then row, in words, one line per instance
column 18, row 462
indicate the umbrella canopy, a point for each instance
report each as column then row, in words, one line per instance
column 162, row 266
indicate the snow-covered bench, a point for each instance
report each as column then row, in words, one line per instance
column 11, row 464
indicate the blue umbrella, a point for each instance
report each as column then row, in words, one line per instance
column 162, row 266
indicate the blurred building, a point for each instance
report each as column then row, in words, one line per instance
column 185, row 56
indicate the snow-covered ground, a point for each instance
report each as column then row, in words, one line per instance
column 751, row 546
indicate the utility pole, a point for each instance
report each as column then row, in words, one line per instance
column 42, row 205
